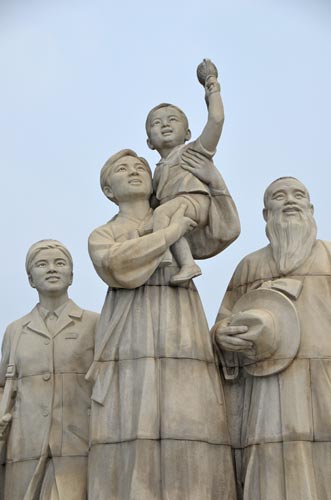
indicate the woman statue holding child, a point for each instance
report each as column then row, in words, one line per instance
column 158, row 420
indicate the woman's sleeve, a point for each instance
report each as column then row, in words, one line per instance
column 127, row 264
column 222, row 229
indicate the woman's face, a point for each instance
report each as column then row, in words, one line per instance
column 130, row 179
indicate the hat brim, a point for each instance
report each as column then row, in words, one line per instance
column 287, row 330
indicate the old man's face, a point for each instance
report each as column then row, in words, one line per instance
column 288, row 197
column 291, row 227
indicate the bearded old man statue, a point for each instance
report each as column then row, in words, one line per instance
column 273, row 333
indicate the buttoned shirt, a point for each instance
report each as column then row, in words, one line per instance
column 51, row 317
column 51, row 409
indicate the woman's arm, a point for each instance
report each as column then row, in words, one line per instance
column 223, row 222
column 130, row 263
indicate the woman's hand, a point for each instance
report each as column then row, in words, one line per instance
column 185, row 223
column 202, row 168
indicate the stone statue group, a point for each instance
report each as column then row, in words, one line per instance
column 143, row 402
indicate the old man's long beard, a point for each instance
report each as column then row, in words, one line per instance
column 291, row 239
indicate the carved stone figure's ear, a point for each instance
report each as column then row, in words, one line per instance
column 188, row 135
column 108, row 192
column 149, row 144
column 265, row 214
column 31, row 281
column 312, row 208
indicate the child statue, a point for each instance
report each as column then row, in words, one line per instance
column 174, row 186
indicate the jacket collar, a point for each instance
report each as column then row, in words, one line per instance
column 69, row 314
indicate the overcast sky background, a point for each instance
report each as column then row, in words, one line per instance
column 78, row 78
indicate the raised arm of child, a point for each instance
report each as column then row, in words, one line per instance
column 211, row 134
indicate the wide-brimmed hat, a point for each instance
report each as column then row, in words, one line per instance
column 272, row 319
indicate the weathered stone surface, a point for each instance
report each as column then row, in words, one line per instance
column 158, row 425
column 281, row 419
column 46, row 355
column 158, row 420
column 175, row 183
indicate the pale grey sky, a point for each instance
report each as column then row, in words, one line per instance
column 78, row 78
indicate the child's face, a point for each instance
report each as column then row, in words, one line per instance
column 167, row 128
